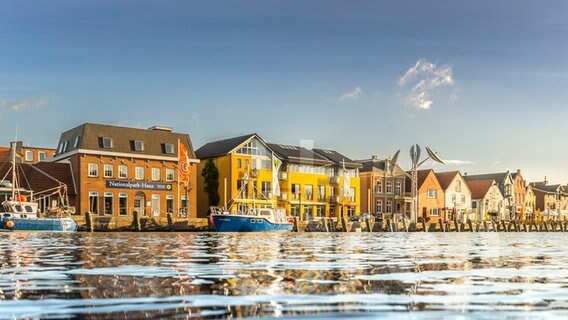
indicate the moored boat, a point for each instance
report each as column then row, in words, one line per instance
column 260, row 219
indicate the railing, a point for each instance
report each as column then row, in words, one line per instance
column 282, row 175
column 334, row 180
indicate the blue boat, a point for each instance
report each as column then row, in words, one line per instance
column 254, row 220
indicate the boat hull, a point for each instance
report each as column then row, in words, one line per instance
column 38, row 224
column 235, row 223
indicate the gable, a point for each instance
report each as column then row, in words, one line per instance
column 253, row 147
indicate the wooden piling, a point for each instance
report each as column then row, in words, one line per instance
column 89, row 222
column 442, row 226
column 470, row 224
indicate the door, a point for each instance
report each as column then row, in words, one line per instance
column 140, row 203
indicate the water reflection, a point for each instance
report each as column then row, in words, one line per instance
column 210, row 275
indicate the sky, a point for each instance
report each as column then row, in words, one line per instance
column 483, row 83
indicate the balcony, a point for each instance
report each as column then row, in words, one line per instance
column 283, row 175
column 283, row 197
column 334, row 199
column 334, row 180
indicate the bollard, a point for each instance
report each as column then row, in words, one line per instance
column 136, row 222
column 368, row 223
column 470, row 225
column 170, row 219
column 441, row 226
column 89, row 222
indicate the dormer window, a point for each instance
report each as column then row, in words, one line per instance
column 169, row 148
column 107, row 143
column 138, row 145
column 77, row 140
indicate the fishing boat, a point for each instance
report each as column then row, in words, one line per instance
column 250, row 219
column 20, row 213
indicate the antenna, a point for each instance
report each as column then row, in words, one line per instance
column 434, row 155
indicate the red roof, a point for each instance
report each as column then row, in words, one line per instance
column 479, row 188
column 422, row 175
column 445, row 178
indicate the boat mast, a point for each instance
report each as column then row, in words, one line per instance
column 13, row 148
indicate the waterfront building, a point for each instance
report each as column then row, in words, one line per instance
column 119, row 170
column 245, row 171
column 383, row 186
column 430, row 196
column 551, row 200
column 306, row 183
column 530, row 202
column 487, row 199
column 457, row 196
column 506, row 184
column 26, row 154
column 520, row 193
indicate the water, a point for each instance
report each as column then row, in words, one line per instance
column 287, row 275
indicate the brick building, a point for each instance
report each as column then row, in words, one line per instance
column 119, row 170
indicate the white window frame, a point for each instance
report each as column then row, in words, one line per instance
column 29, row 156
column 138, row 145
column 389, row 187
column 139, row 173
column 431, row 194
column 106, row 170
column 122, row 196
column 123, row 171
column 156, row 208
column 169, row 148
column 107, row 195
column 379, row 206
column 92, row 167
column 170, row 174
column 41, row 155
column 435, row 212
column 156, row 172
column 389, row 206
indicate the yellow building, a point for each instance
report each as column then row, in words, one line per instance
column 307, row 183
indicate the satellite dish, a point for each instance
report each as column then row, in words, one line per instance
column 415, row 154
column 434, row 155
column 394, row 161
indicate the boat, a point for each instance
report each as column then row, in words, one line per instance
column 253, row 220
column 20, row 213
column 250, row 219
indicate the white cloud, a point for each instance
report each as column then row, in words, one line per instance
column 460, row 162
column 22, row 104
column 426, row 76
column 353, row 95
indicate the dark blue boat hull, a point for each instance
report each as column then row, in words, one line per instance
column 38, row 224
column 233, row 223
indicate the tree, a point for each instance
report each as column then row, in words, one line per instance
column 211, row 175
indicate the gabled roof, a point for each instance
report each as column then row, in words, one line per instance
column 337, row 158
column 369, row 165
column 446, row 178
column 42, row 176
column 497, row 177
column 298, row 154
column 549, row 189
column 88, row 136
column 222, row 147
column 422, row 175
column 479, row 188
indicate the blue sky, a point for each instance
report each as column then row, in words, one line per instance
column 485, row 82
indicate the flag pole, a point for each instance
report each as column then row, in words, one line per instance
column 178, row 180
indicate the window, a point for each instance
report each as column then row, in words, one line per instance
column 458, row 186
column 77, row 140
column 379, row 206
column 41, row 155
column 255, row 148
column 169, row 148
column 60, row 150
column 108, row 203
column 435, row 212
column 332, row 211
column 379, row 187
column 155, row 205
column 170, row 174
column 246, row 164
column 138, row 145
column 93, row 170
column 266, row 189
column 29, row 155
column 155, row 174
column 169, row 203
column 432, row 194
column 320, row 211
column 463, row 199
column 139, row 173
column 398, row 188
column 389, row 206
column 295, row 210
column 94, row 202
column 184, row 206
column 389, row 186
column 239, row 163
column 350, row 211
column 108, row 170
column 122, row 204
column 352, row 194
column 122, row 172
column 295, row 191
column 309, row 192
column 331, row 191
column 321, row 193
column 65, row 146
column 242, row 189
column 308, row 212
column 474, row 205
column 107, row 143
column 454, row 199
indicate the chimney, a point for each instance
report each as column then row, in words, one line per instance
column 465, row 174
column 374, row 158
column 161, row 128
column 518, row 171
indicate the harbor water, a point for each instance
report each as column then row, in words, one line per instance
column 286, row 275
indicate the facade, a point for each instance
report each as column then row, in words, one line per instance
column 551, row 200
column 309, row 181
column 457, row 196
column 530, row 203
column 487, row 199
column 506, row 185
column 383, row 186
column 430, row 197
column 520, row 191
column 118, row 171
column 26, row 154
